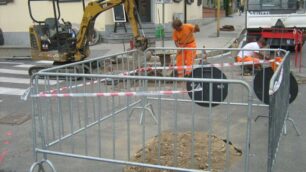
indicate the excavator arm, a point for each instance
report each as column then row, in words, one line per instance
column 92, row 11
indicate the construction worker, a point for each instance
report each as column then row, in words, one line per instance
column 253, row 56
column 183, row 37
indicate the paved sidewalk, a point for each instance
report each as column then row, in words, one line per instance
column 206, row 37
column 291, row 156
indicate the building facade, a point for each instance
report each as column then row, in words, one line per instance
column 15, row 19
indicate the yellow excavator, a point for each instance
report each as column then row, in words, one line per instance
column 58, row 42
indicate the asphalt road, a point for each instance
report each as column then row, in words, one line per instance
column 16, row 138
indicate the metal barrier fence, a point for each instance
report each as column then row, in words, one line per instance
column 91, row 113
column 278, row 108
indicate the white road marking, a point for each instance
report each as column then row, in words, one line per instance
column 44, row 62
column 31, row 65
column 24, row 65
column 14, row 63
column 24, row 71
column 11, row 91
column 25, row 81
column 10, row 71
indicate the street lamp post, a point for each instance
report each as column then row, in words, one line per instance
column 185, row 11
column 246, row 8
column 218, row 18
column 163, row 39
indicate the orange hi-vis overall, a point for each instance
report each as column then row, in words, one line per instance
column 185, row 39
column 249, row 59
column 274, row 64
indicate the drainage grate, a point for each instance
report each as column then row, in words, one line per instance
column 14, row 119
column 6, row 170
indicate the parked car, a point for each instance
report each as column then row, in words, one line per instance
column 1, row 37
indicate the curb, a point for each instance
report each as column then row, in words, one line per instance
column 230, row 44
column 14, row 51
column 24, row 52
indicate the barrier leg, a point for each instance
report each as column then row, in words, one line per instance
column 152, row 113
column 40, row 166
column 147, row 107
column 293, row 123
column 285, row 128
column 294, row 126
column 298, row 133
column 260, row 116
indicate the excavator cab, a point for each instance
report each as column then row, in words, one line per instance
column 57, row 41
column 51, row 39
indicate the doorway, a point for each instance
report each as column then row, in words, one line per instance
column 144, row 10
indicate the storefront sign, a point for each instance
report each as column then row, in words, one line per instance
column 163, row 1
column 259, row 12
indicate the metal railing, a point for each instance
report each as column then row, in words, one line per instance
column 90, row 112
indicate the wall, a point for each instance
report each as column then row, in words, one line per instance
column 15, row 24
column 14, row 16
column 194, row 12
column 73, row 12
column 212, row 12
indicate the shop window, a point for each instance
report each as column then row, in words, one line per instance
column 4, row 2
column 69, row 0
column 209, row 3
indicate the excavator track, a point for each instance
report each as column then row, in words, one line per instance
column 81, row 69
column 34, row 69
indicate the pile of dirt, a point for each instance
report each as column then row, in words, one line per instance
column 182, row 143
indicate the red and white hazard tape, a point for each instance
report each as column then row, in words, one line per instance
column 151, row 68
column 91, row 82
column 74, row 86
column 113, row 94
column 233, row 64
